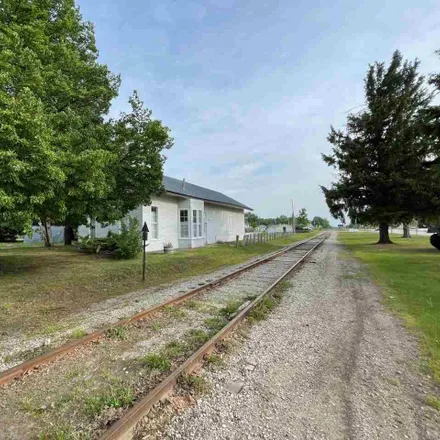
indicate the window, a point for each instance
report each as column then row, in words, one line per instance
column 154, row 223
column 197, row 223
column 184, row 226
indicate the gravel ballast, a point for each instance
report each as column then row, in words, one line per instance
column 329, row 363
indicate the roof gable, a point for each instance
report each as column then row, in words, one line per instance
column 175, row 186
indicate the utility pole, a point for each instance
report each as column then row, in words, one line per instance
column 293, row 217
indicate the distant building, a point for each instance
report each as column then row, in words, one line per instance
column 280, row 228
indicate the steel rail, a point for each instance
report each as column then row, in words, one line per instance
column 32, row 364
column 123, row 428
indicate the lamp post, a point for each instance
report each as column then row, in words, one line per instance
column 145, row 232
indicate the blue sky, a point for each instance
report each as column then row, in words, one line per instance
column 250, row 88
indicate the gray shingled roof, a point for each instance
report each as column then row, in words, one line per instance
column 175, row 186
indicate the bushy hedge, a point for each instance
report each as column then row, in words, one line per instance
column 124, row 245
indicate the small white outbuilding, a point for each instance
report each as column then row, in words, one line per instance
column 187, row 216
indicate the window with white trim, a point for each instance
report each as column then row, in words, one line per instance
column 184, row 224
column 197, row 223
column 154, row 222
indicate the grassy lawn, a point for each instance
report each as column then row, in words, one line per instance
column 39, row 287
column 409, row 271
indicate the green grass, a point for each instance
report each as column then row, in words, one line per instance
column 175, row 349
column 117, row 397
column 157, row 362
column 433, row 401
column 196, row 385
column 215, row 323
column 118, row 333
column 409, row 272
column 78, row 333
column 230, row 308
column 40, row 287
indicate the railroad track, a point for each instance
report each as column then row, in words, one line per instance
column 31, row 364
column 248, row 285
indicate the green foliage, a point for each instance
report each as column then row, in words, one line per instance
column 302, row 220
column 128, row 243
column 9, row 234
column 79, row 333
column 263, row 308
column 175, row 312
column 64, row 433
column 320, row 222
column 139, row 141
column 124, row 245
column 380, row 157
column 53, row 97
column 175, row 349
column 194, row 384
column 195, row 338
column 119, row 333
column 157, row 362
column 230, row 308
column 216, row 323
column 118, row 396
column 433, row 401
column 60, row 160
column 214, row 360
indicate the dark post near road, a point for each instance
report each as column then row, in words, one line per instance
column 145, row 232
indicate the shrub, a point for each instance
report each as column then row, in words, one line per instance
column 128, row 242
column 9, row 234
column 124, row 245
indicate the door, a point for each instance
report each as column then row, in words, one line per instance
column 210, row 231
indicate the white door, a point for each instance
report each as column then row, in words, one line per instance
column 210, row 232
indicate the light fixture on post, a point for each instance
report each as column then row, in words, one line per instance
column 145, row 232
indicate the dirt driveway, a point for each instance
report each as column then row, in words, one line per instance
column 329, row 363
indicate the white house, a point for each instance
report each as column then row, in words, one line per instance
column 187, row 216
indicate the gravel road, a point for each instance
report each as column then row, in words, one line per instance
column 329, row 363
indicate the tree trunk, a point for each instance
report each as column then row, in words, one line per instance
column 46, row 231
column 406, row 231
column 384, row 237
column 69, row 235
column 93, row 228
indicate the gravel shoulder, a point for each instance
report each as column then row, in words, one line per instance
column 329, row 363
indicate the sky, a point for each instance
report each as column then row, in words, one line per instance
column 249, row 88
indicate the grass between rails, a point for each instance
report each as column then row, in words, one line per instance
column 409, row 272
column 40, row 287
column 97, row 397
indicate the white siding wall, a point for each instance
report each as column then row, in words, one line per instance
column 168, row 222
column 224, row 223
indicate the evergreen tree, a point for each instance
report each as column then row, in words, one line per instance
column 380, row 157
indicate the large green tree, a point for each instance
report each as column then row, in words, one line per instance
column 380, row 156
column 138, row 142
column 320, row 222
column 61, row 160
column 51, row 77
